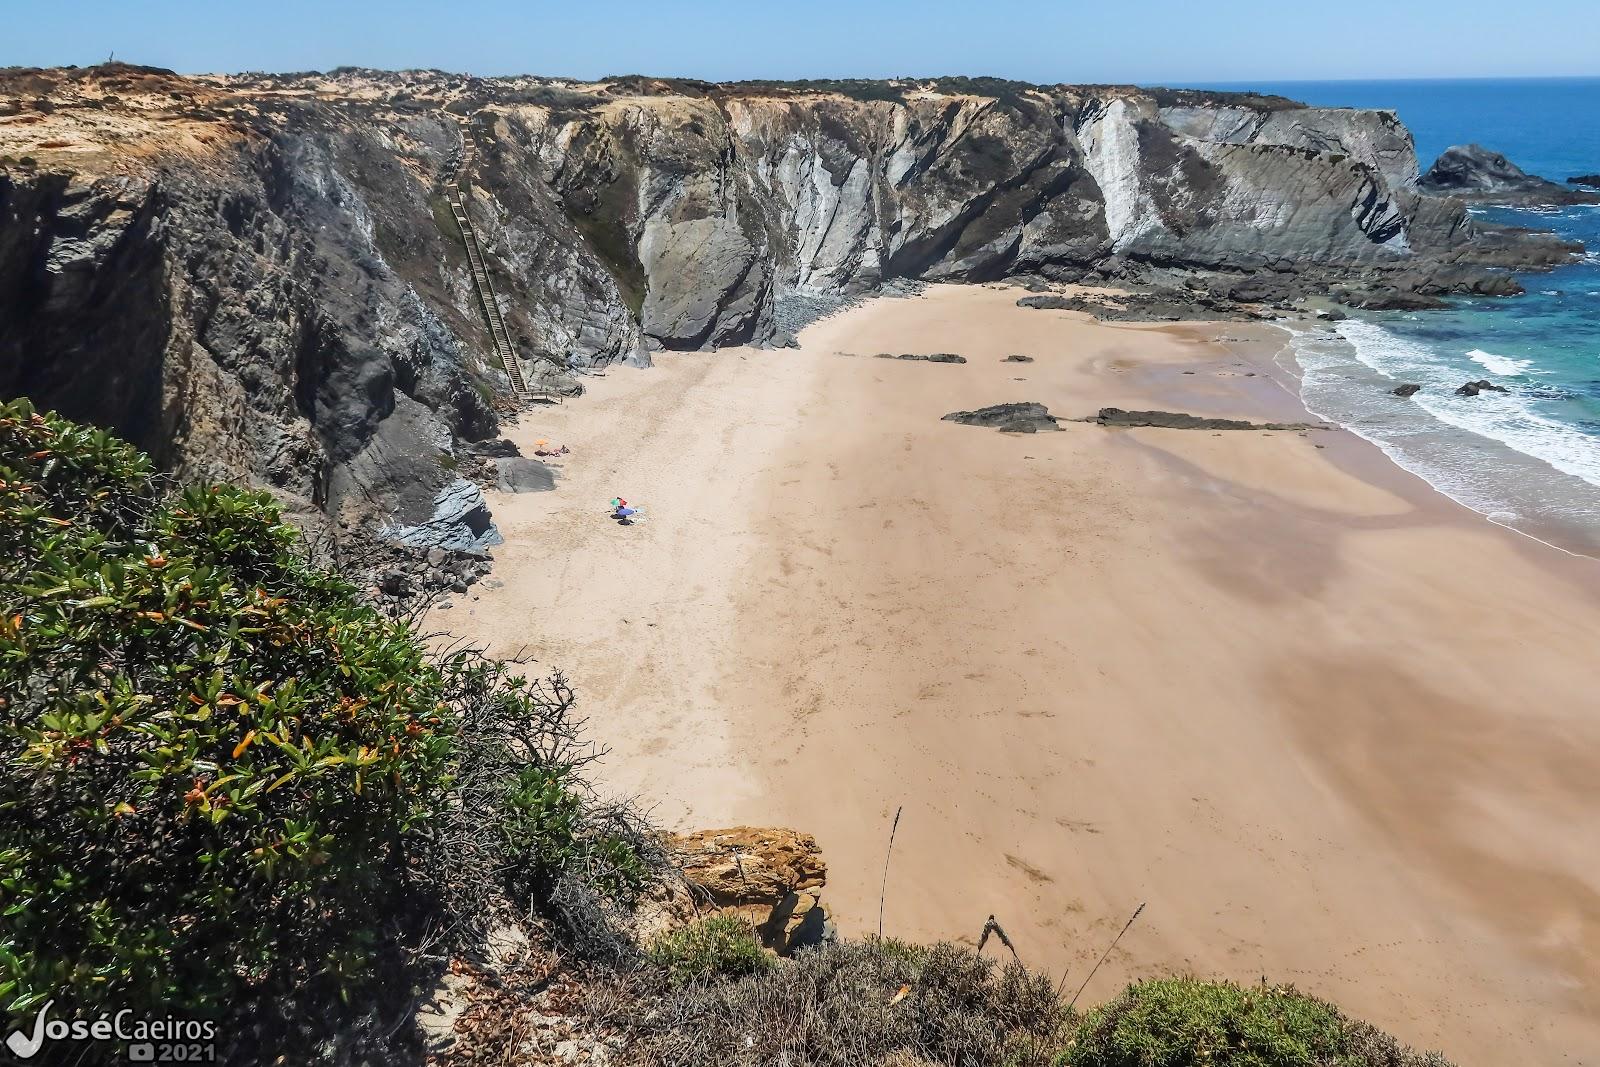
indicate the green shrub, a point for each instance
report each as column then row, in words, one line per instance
column 229, row 783
column 1179, row 1022
column 212, row 752
column 548, row 826
column 721, row 946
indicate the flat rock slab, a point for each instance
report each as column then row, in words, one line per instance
column 1022, row 417
column 522, row 475
column 1177, row 420
column 937, row 357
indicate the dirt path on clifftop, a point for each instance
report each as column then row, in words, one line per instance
column 1334, row 729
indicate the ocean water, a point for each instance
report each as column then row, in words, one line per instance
column 1529, row 458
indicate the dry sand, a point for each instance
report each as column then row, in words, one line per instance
column 1334, row 729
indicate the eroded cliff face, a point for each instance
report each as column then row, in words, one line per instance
column 259, row 277
column 718, row 202
column 249, row 295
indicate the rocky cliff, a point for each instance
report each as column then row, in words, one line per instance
column 259, row 277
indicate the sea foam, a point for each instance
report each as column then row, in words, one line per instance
column 1500, row 364
column 1508, row 418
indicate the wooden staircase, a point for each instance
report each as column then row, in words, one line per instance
column 455, row 190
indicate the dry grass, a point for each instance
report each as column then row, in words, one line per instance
column 849, row 1005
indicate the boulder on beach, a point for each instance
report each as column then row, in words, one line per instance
column 520, row 475
column 460, row 520
column 768, row 876
column 1050, row 302
column 1406, row 390
column 1022, row 417
column 494, row 448
column 1482, row 385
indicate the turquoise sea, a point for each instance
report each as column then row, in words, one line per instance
column 1529, row 458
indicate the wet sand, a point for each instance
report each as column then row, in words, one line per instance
column 1333, row 728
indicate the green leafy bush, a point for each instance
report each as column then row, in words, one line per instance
column 719, row 946
column 213, row 752
column 225, row 779
column 1179, row 1022
column 549, row 826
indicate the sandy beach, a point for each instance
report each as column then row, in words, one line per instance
column 1332, row 728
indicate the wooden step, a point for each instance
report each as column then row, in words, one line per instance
column 455, row 191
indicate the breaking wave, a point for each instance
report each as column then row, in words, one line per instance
column 1499, row 364
column 1485, row 451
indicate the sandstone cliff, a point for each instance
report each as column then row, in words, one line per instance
column 259, row 277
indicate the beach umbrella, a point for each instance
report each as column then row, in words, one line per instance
column 541, row 444
column 625, row 512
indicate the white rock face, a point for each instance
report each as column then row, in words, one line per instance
column 1111, row 152
column 837, row 244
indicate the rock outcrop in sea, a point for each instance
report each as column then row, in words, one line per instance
column 259, row 278
column 1478, row 173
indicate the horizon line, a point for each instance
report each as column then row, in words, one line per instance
column 1139, row 83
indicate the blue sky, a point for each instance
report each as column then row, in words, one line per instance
column 1155, row 41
